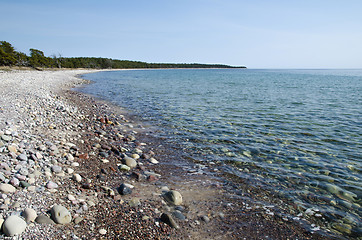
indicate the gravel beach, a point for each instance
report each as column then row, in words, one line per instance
column 75, row 167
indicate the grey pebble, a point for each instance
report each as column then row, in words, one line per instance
column 43, row 219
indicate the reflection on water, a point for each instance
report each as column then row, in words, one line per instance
column 298, row 132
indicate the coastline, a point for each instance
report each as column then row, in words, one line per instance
column 97, row 133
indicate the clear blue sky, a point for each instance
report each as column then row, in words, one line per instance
column 254, row 33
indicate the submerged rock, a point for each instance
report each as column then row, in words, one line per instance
column 124, row 189
column 173, row 197
column 167, row 218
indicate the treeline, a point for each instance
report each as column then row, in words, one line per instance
column 10, row 57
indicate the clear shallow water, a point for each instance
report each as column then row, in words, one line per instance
column 295, row 132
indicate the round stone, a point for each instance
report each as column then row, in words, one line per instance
column 124, row 190
column 167, row 218
column 173, row 197
column 60, row 214
column 178, row 215
column 130, row 162
column 13, row 225
column 6, row 138
column 56, row 168
column 124, row 167
column 7, row 188
column 70, row 157
column 29, row 215
column 77, row 177
column 51, row 185
column 15, row 182
column 43, row 219
column 153, row 161
column 71, row 197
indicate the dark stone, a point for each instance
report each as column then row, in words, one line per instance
column 138, row 176
column 104, row 171
column 152, row 178
column 167, row 218
column 86, row 186
column 205, row 218
column 106, row 147
column 103, row 154
column 178, row 215
column 180, row 208
column 124, row 190
column 101, row 177
column 84, row 156
column 24, row 184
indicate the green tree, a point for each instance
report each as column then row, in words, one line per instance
column 22, row 59
column 7, row 54
column 37, row 58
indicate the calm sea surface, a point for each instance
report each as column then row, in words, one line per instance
column 295, row 132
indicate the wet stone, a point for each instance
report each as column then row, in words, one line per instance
column 178, row 215
column 101, row 177
column 173, row 197
column 167, row 218
column 124, row 190
column 103, row 154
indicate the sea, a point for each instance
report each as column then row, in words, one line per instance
column 295, row 132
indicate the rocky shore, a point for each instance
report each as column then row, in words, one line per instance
column 73, row 167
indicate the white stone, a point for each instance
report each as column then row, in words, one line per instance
column 102, row 231
column 51, row 185
column 7, row 188
column 71, row 197
column 153, row 160
column 75, row 164
column 60, row 214
column 70, row 157
column 13, row 225
column 30, row 215
column 77, row 177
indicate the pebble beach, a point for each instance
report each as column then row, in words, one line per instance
column 75, row 167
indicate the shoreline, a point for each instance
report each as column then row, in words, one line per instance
column 101, row 134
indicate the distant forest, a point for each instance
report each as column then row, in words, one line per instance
column 10, row 57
